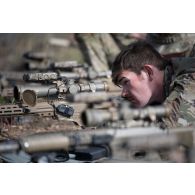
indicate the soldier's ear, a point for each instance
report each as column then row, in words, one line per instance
column 148, row 69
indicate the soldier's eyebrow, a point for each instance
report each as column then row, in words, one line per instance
column 119, row 80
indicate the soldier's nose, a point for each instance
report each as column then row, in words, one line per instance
column 124, row 94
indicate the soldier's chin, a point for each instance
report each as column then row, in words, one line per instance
column 139, row 105
column 136, row 105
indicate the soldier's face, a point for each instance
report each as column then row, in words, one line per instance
column 135, row 88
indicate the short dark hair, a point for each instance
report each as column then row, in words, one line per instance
column 135, row 56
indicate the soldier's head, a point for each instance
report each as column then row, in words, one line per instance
column 139, row 71
column 170, row 44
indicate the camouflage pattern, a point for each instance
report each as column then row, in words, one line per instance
column 173, row 43
column 179, row 87
column 124, row 39
column 99, row 50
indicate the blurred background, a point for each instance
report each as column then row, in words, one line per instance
column 58, row 46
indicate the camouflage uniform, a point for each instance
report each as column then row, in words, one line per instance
column 166, row 44
column 124, row 39
column 179, row 87
column 99, row 50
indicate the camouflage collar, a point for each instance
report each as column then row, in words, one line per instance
column 168, row 73
column 178, row 66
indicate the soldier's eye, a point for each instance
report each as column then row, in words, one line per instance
column 122, row 82
column 119, row 85
column 125, row 82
